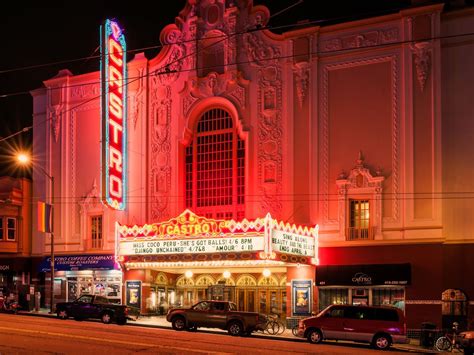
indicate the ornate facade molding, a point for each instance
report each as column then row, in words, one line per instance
column 264, row 56
column 85, row 91
column 72, row 171
column 136, row 99
column 92, row 200
column 230, row 85
column 301, row 74
column 55, row 115
column 260, row 53
column 270, row 132
column 160, row 157
column 360, row 181
column 393, row 59
column 361, row 40
column 422, row 52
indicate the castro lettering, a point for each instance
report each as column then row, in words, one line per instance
column 114, row 115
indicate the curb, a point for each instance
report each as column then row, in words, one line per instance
column 401, row 347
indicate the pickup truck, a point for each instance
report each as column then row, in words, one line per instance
column 89, row 306
column 216, row 314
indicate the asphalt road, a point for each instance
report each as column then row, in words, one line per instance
column 35, row 335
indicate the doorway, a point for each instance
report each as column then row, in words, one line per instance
column 246, row 299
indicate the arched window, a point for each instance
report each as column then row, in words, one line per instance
column 454, row 308
column 215, row 168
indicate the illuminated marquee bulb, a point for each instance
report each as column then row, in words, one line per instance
column 266, row 273
column 188, row 274
column 226, row 274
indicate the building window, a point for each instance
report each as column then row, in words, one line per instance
column 11, row 228
column 215, row 168
column 331, row 296
column 359, row 220
column 1, row 228
column 96, row 232
column 389, row 297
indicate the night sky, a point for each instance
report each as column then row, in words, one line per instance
column 44, row 32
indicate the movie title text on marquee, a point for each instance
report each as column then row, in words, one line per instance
column 191, row 246
column 294, row 244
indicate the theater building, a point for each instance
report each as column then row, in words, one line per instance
column 260, row 264
column 325, row 163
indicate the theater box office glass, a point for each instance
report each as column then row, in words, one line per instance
column 190, row 258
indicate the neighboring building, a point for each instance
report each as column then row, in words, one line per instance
column 15, row 240
column 363, row 128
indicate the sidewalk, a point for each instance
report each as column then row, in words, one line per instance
column 160, row 322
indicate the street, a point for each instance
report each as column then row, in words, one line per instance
column 36, row 335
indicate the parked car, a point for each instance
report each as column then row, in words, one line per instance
column 89, row 306
column 466, row 339
column 216, row 314
column 380, row 326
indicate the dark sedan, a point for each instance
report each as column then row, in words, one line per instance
column 89, row 306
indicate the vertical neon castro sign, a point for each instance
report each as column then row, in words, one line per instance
column 114, row 115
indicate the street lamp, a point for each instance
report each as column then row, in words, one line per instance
column 25, row 159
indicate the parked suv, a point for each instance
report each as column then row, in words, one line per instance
column 380, row 326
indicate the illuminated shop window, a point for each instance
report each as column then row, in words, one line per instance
column 215, row 168
column 331, row 296
column 96, row 232
column 359, row 220
column 11, row 228
column 389, row 297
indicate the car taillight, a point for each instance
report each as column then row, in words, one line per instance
column 404, row 328
column 126, row 310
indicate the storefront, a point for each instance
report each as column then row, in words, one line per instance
column 261, row 265
column 15, row 280
column 91, row 274
column 376, row 284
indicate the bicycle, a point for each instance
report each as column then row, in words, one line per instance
column 449, row 341
column 294, row 330
column 274, row 325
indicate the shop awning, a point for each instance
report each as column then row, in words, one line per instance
column 15, row 264
column 363, row 275
column 79, row 262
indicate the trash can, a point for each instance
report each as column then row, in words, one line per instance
column 428, row 334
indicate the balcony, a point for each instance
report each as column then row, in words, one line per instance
column 355, row 233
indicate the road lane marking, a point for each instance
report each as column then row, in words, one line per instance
column 107, row 340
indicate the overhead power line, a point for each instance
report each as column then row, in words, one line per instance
column 164, row 70
column 343, row 50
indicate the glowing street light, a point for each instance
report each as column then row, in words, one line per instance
column 24, row 159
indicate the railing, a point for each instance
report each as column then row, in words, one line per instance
column 354, row 233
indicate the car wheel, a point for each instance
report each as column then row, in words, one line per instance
column 106, row 318
column 381, row 342
column 235, row 328
column 62, row 314
column 178, row 323
column 314, row 336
